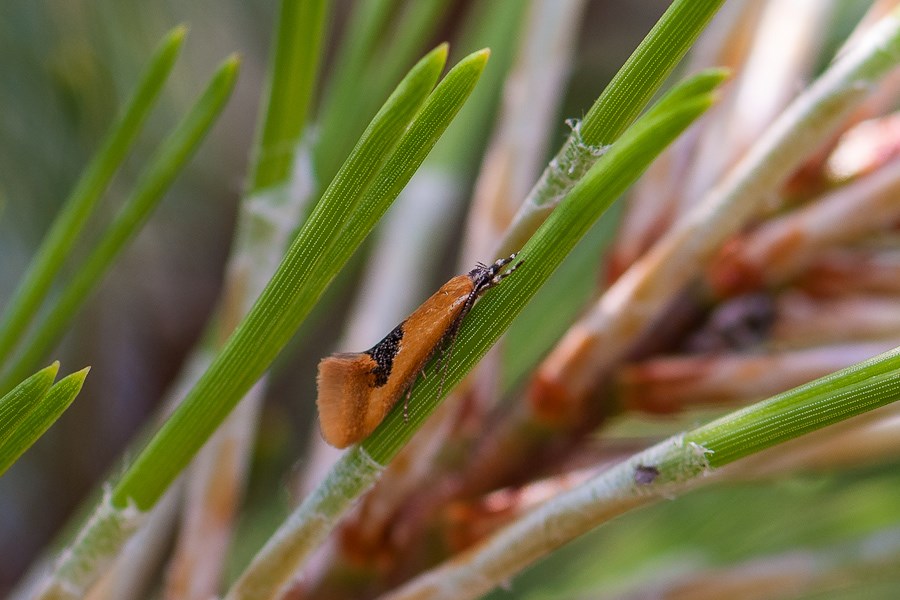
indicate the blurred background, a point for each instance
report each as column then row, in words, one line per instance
column 65, row 67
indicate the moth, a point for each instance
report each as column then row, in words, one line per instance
column 358, row 389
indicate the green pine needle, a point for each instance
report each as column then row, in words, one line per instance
column 42, row 413
column 70, row 221
column 156, row 179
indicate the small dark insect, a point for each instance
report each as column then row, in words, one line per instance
column 738, row 324
column 644, row 474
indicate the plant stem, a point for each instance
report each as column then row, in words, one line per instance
column 353, row 474
column 783, row 247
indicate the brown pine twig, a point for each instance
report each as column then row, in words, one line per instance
column 782, row 248
column 802, row 320
column 867, row 270
column 672, row 384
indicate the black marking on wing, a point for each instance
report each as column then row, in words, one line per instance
column 383, row 353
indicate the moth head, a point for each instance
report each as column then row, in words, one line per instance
column 484, row 277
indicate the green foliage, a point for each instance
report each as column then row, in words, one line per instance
column 372, row 59
column 436, row 114
column 358, row 468
column 164, row 167
column 839, row 396
column 646, row 69
column 14, row 406
column 389, row 151
column 70, row 221
column 293, row 72
column 494, row 25
column 543, row 253
column 30, row 408
column 614, row 110
column 558, row 303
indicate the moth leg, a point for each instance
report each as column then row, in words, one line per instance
column 442, row 364
column 409, row 390
column 406, row 404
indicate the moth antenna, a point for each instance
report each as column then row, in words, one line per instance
column 501, row 276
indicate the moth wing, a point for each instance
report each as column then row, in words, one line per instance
column 345, row 386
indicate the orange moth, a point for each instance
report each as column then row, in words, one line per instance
column 358, row 389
